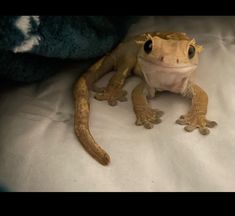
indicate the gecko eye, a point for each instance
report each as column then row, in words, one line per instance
column 191, row 51
column 148, row 46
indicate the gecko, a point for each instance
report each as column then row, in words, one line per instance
column 165, row 61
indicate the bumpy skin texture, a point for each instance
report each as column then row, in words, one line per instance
column 165, row 61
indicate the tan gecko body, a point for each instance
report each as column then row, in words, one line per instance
column 165, row 62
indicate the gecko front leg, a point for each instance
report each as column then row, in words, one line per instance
column 145, row 115
column 196, row 117
column 114, row 92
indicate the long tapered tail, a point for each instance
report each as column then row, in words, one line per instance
column 82, row 111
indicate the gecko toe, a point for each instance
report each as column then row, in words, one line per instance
column 211, row 124
column 204, row 131
column 148, row 125
column 189, row 128
column 180, row 121
column 155, row 120
column 138, row 122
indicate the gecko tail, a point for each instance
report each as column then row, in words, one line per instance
column 81, row 123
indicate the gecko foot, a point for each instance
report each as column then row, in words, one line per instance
column 194, row 121
column 111, row 95
column 148, row 117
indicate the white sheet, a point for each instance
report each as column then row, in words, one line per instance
column 39, row 151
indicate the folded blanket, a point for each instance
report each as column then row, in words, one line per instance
column 33, row 48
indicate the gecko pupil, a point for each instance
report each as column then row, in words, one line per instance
column 191, row 51
column 148, row 46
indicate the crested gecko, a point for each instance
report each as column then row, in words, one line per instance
column 165, row 61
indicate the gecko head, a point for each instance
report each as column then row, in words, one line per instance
column 170, row 52
column 168, row 60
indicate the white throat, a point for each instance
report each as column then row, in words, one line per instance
column 166, row 78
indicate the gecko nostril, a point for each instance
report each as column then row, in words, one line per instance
column 162, row 58
column 177, row 60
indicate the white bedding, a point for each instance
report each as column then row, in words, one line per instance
column 40, row 152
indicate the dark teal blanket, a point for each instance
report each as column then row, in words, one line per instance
column 32, row 48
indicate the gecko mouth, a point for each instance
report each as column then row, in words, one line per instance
column 166, row 68
column 172, row 69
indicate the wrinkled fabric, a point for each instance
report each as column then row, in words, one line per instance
column 40, row 152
